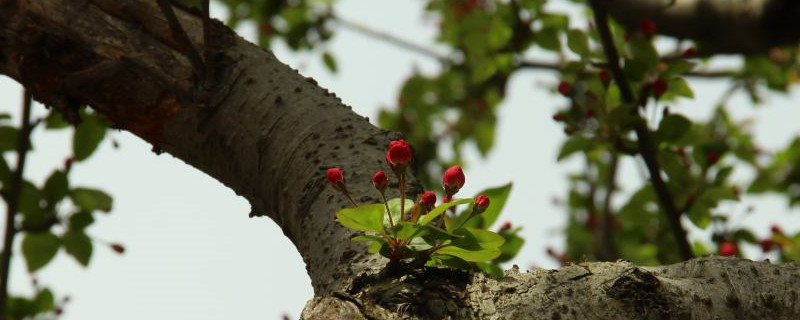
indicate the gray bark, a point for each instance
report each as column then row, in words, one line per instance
column 269, row 133
column 719, row 26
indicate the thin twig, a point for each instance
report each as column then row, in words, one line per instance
column 609, row 250
column 390, row 38
column 177, row 30
column 207, row 43
column 13, row 197
column 646, row 148
column 554, row 66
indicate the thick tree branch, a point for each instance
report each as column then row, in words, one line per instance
column 269, row 133
column 719, row 26
column 645, row 144
column 12, row 199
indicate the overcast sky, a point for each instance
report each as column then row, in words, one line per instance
column 193, row 253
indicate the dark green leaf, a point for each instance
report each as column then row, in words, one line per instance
column 700, row 215
column 547, row 38
column 375, row 242
column 574, row 144
column 679, row 87
column 329, row 61
column 55, row 120
column 30, row 199
column 578, row 42
column 5, row 171
column 80, row 220
column 39, row 248
column 367, row 218
column 91, row 199
column 451, row 261
column 78, row 245
column 513, row 243
column 44, row 301
column 673, row 127
column 87, row 137
column 56, row 186
column 8, row 138
column 405, row 230
column 744, row 235
column 492, row 269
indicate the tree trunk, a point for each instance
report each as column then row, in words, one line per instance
column 269, row 133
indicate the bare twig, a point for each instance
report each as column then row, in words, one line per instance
column 544, row 65
column 609, row 249
column 177, row 30
column 12, row 199
column 390, row 38
column 646, row 148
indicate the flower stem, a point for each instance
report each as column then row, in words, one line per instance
column 402, row 178
column 347, row 194
column 389, row 212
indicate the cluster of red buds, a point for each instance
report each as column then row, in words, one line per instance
column 399, row 157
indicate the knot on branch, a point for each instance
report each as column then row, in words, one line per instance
column 643, row 293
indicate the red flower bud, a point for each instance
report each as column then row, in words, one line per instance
column 776, row 229
column 506, row 225
column 336, row 178
column 453, row 179
column 447, row 199
column 689, row 53
column 481, row 203
column 118, row 248
column 767, row 245
column 728, row 249
column 565, row 88
column 558, row 117
column 399, row 154
column 379, row 180
column 605, row 77
column 712, row 157
column 429, row 200
column 648, row 27
column 659, row 87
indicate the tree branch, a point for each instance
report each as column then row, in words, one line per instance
column 389, row 38
column 646, row 148
column 178, row 31
column 13, row 198
column 719, row 26
column 609, row 249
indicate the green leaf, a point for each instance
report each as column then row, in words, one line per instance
column 574, row 144
column 30, row 199
column 578, row 42
column 5, row 171
column 87, row 137
column 472, row 254
column 78, row 245
column 491, row 269
column 80, row 220
column 700, row 215
column 679, row 87
column 451, row 261
column 8, row 138
column 547, row 38
column 405, row 230
column 481, row 238
column 510, row 248
column 44, row 301
column 376, row 242
column 329, row 61
column 55, row 120
column 643, row 52
column 56, row 187
column 394, row 208
column 368, row 218
column 424, row 220
column 39, row 248
column 497, row 200
column 91, row 199
column 744, row 235
column 673, row 127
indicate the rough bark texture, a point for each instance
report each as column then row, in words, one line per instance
column 720, row 26
column 269, row 133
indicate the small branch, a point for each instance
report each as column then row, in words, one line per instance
column 177, row 30
column 208, row 73
column 609, row 250
column 646, row 148
column 553, row 66
column 387, row 37
column 12, row 205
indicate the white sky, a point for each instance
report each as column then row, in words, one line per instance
column 194, row 254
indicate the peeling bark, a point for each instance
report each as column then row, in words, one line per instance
column 269, row 133
column 719, row 26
